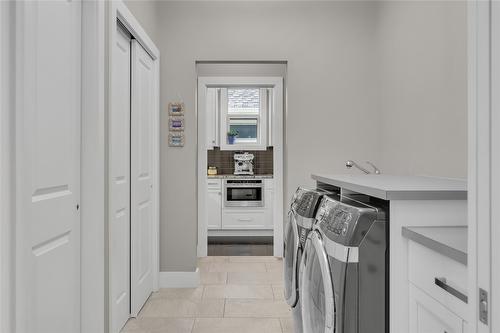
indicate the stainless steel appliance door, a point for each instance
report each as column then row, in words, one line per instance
column 243, row 194
column 316, row 292
column 291, row 253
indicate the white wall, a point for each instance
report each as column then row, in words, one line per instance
column 423, row 87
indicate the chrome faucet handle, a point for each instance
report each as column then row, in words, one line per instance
column 349, row 164
column 375, row 169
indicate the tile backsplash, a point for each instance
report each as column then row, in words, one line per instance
column 223, row 160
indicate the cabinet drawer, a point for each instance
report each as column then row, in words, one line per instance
column 214, row 184
column 442, row 278
column 428, row 315
column 244, row 220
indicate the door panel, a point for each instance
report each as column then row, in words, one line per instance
column 141, row 176
column 318, row 307
column 119, row 158
column 48, row 173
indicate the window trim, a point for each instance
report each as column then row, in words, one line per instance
column 261, row 117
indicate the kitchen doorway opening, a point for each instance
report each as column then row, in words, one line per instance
column 240, row 158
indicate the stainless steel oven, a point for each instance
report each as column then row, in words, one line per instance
column 243, row 193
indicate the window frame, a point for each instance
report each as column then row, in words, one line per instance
column 261, row 118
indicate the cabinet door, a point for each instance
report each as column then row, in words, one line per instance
column 214, row 209
column 429, row 316
column 269, row 198
column 212, row 111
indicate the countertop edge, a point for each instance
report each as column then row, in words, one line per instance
column 394, row 194
column 432, row 244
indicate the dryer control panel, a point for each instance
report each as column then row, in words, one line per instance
column 344, row 220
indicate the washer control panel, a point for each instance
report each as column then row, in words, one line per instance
column 305, row 201
column 344, row 220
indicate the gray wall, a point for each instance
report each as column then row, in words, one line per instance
column 145, row 11
column 328, row 47
column 423, row 95
column 365, row 80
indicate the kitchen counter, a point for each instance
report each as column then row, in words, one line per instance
column 450, row 241
column 240, row 176
column 391, row 187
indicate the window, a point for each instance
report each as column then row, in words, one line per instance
column 244, row 111
column 243, row 101
column 246, row 129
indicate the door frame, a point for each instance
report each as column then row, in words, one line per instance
column 484, row 161
column 7, row 201
column 278, row 154
column 119, row 12
column 94, row 298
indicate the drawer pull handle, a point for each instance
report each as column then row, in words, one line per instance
column 244, row 220
column 441, row 283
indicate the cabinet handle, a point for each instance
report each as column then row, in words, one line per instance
column 441, row 283
column 244, row 220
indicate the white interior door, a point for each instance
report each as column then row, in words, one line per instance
column 48, row 166
column 142, row 214
column 119, row 159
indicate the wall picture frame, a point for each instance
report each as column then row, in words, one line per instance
column 176, row 124
column 176, row 109
column 176, row 139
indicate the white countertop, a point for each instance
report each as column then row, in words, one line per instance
column 391, row 187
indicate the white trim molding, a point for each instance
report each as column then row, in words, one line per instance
column 277, row 140
column 7, row 200
column 180, row 279
column 93, row 166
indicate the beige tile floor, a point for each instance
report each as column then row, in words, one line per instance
column 236, row 295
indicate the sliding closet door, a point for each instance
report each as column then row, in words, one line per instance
column 48, row 115
column 119, row 159
column 142, row 149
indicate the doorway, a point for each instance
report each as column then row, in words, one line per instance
column 240, row 164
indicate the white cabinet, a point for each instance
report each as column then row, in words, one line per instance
column 214, row 204
column 429, row 316
column 269, row 202
column 436, row 285
column 212, row 123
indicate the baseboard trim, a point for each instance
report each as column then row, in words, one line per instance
column 180, row 279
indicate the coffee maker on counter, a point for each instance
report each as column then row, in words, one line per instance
column 243, row 163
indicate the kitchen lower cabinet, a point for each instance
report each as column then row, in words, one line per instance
column 220, row 218
column 214, row 204
column 429, row 316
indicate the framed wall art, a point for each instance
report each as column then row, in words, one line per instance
column 176, row 139
column 176, row 124
column 176, row 109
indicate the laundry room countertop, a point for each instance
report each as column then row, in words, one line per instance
column 450, row 241
column 392, row 187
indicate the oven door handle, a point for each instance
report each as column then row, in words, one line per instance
column 253, row 185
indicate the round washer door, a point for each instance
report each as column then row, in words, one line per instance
column 318, row 303
column 291, row 250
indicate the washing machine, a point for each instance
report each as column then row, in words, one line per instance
column 301, row 218
column 344, row 283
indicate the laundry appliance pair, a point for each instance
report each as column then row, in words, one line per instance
column 336, row 263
